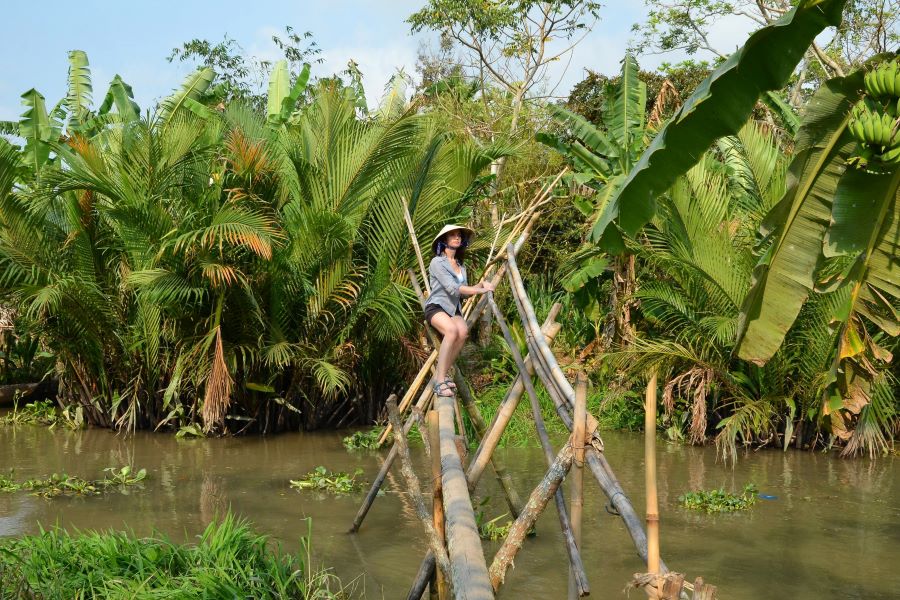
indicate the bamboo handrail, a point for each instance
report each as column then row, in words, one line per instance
column 595, row 459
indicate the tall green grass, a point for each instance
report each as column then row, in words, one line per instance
column 229, row 561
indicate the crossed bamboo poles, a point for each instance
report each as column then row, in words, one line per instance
column 455, row 546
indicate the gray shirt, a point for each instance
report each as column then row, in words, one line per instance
column 445, row 285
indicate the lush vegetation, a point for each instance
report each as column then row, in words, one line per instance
column 237, row 260
column 228, row 561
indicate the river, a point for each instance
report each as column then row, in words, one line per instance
column 832, row 530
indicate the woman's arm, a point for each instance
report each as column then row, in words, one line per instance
column 481, row 288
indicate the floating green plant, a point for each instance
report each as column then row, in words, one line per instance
column 364, row 440
column 322, row 479
column 719, row 500
column 64, row 485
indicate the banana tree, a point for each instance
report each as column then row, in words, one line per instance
column 601, row 158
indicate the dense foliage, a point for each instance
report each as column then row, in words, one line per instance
column 220, row 266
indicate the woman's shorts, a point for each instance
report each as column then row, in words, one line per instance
column 433, row 309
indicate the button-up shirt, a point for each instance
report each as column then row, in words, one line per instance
column 445, row 284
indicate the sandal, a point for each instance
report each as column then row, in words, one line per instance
column 441, row 389
column 450, row 383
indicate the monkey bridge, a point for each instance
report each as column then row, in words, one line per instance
column 455, row 565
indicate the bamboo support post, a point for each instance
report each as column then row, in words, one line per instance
column 595, row 459
column 435, row 540
column 650, row 476
column 503, row 478
column 410, row 392
column 467, row 566
column 439, row 584
column 578, row 441
column 564, row 522
column 423, row 401
column 465, row 394
column 538, row 500
column 504, row 414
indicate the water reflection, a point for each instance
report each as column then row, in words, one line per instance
column 831, row 532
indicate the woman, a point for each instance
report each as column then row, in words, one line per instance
column 443, row 309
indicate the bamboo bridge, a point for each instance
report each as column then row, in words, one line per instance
column 455, row 565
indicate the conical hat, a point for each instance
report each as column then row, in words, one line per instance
column 448, row 228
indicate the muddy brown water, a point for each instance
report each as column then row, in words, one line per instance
column 833, row 530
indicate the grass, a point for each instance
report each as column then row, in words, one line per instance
column 228, row 561
column 64, row 485
column 621, row 412
column 713, row 501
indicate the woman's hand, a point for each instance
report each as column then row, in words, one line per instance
column 487, row 286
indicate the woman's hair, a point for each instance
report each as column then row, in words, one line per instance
column 460, row 252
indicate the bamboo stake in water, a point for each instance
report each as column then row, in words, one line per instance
column 650, row 461
column 439, row 587
column 412, row 484
column 577, row 473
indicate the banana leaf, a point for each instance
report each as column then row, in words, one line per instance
column 193, row 87
column 78, row 98
column 786, row 274
column 279, row 88
column 718, row 107
column 38, row 130
column 121, row 96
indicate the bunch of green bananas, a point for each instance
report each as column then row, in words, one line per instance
column 884, row 80
column 874, row 120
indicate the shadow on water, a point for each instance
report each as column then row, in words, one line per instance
column 831, row 532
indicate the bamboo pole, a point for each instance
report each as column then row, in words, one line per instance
column 423, row 401
column 484, row 454
column 578, row 441
column 468, row 571
column 596, row 460
column 503, row 478
column 564, row 523
column 650, row 476
column 411, row 391
column 435, row 540
column 464, row 393
column 547, row 488
column 415, row 244
column 437, row 500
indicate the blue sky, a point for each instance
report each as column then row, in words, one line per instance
column 133, row 40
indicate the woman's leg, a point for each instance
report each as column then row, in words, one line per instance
column 462, row 334
column 449, row 331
